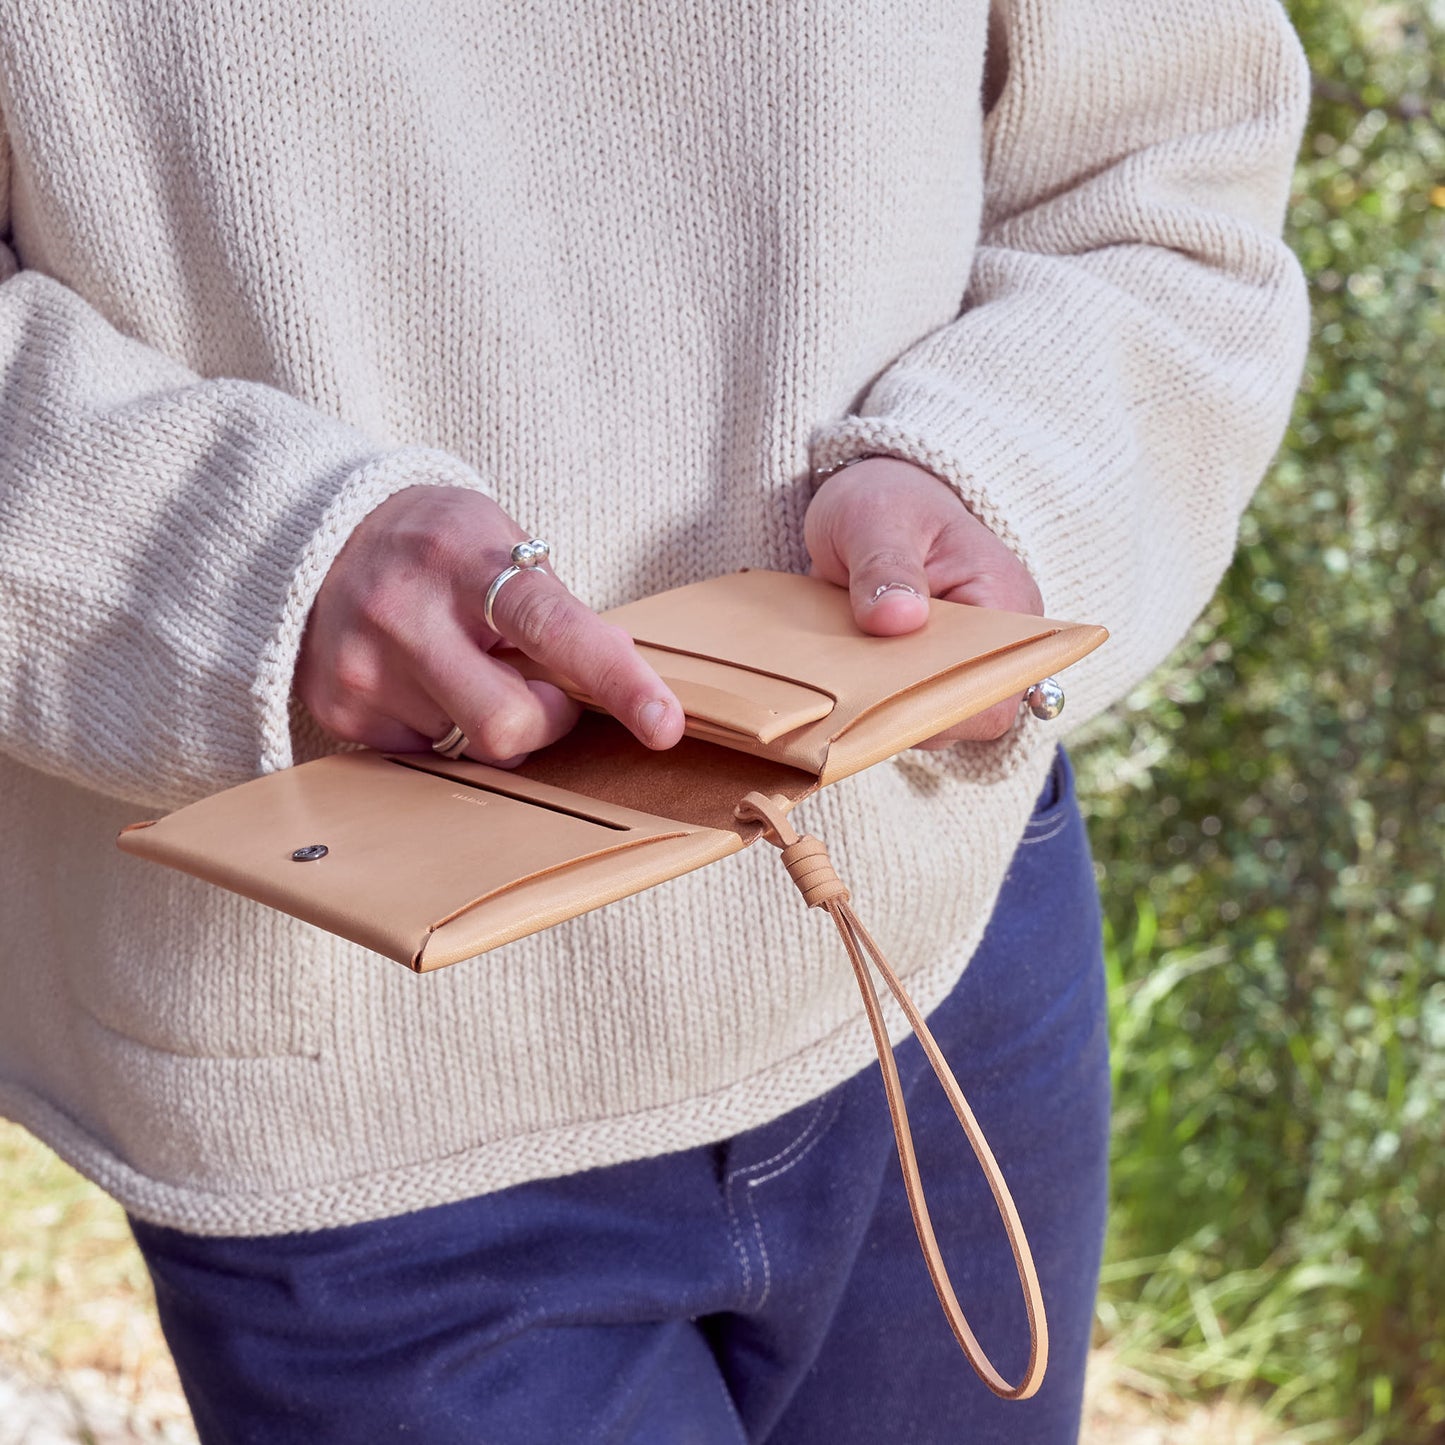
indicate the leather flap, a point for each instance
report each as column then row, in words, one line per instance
column 735, row 699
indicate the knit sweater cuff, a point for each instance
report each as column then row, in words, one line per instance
column 861, row 436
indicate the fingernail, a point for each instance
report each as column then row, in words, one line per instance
column 652, row 717
column 895, row 587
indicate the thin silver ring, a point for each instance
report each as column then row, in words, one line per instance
column 525, row 556
column 453, row 745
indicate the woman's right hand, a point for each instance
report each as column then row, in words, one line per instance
column 397, row 650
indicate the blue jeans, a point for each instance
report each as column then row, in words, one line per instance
column 768, row 1288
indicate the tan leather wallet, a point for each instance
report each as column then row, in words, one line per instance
column 431, row 861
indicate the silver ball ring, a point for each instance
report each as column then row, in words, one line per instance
column 525, row 556
column 1045, row 699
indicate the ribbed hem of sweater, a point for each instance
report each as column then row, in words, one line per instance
column 491, row 1165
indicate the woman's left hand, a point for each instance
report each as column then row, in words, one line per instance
column 895, row 535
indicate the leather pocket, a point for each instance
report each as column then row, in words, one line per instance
column 724, row 701
column 733, row 699
column 889, row 692
column 424, row 860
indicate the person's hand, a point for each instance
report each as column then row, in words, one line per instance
column 895, row 535
column 396, row 648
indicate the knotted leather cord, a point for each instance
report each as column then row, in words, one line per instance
column 812, row 871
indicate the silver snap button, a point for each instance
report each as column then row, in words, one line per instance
column 310, row 853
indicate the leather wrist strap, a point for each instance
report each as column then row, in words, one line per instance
column 812, row 871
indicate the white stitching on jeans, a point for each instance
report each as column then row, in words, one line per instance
column 792, row 1163
column 753, row 1206
column 734, row 1224
column 735, row 1230
column 1059, row 825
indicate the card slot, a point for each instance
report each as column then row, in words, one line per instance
column 998, row 662
column 378, row 852
column 551, row 869
column 935, row 704
column 802, row 629
column 517, row 795
column 857, row 672
column 519, row 786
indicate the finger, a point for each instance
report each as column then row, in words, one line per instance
column 886, row 602
column 534, row 612
column 983, row 727
column 504, row 716
column 370, row 696
column 871, row 527
column 883, row 552
column 971, row 564
column 376, row 730
column 883, row 561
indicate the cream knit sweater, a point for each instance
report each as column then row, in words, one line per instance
column 638, row 270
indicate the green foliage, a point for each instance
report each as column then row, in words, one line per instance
column 1269, row 813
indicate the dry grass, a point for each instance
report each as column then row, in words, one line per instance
column 76, row 1312
column 1123, row 1407
column 77, row 1319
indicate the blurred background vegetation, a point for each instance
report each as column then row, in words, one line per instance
column 1269, row 813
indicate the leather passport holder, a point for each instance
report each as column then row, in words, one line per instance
column 431, row 861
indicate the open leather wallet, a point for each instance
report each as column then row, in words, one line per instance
column 431, row 861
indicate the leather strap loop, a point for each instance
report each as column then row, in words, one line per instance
column 811, row 869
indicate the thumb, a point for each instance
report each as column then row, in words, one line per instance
column 889, row 587
column 872, row 526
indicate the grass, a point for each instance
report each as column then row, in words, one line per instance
column 1203, row 1292
column 76, row 1310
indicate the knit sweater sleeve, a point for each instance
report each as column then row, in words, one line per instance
column 1122, row 367
column 162, row 537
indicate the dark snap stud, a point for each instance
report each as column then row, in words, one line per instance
column 310, row 853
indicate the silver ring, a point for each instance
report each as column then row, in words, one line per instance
column 525, row 556
column 1045, row 699
column 453, row 745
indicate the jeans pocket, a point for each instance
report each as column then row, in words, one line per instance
column 1055, row 799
